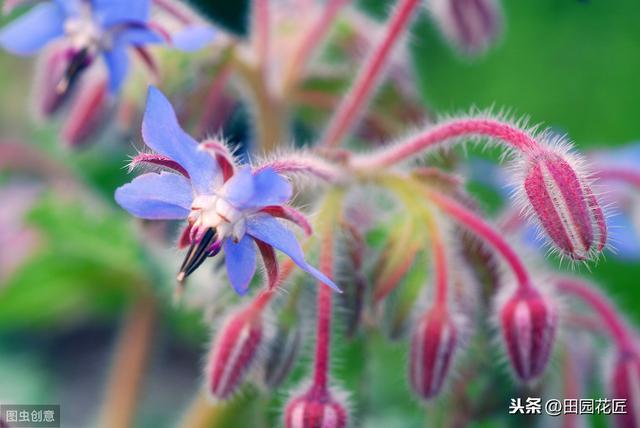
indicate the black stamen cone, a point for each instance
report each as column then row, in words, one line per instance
column 79, row 62
column 197, row 254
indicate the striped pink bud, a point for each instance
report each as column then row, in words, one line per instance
column 471, row 25
column 89, row 109
column 433, row 345
column 317, row 408
column 565, row 205
column 625, row 385
column 234, row 351
column 528, row 322
column 49, row 72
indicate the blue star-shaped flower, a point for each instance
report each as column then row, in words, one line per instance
column 92, row 28
column 228, row 208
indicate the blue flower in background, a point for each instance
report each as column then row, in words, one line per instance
column 228, row 208
column 91, row 28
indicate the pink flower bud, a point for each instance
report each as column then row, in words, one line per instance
column 50, row 72
column 317, row 408
column 234, row 352
column 89, row 108
column 471, row 25
column 528, row 322
column 625, row 385
column 564, row 205
column 433, row 345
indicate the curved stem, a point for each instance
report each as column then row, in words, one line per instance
column 175, row 10
column 439, row 260
column 620, row 333
column 125, row 380
column 626, row 175
column 437, row 135
column 301, row 163
column 481, row 228
column 314, row 37
column 260, row 32
column 371, row 72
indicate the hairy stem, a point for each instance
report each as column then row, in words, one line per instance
column 437, row 135
column 620, row 333
column 324, row 312
column 483, row 230
column 439, row 260
column 361, row 91
column 311, row 41
column 125, row 380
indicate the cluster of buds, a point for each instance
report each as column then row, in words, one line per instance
column 236, row 211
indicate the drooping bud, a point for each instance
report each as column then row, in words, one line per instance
column 470, row 25
column 433, row 344
column 564, row 204
column 317, row 408
column 87, row 113
column 234, row 351
column 625, row 385
column 281, row 355
column 528, row 321
column 50, row 70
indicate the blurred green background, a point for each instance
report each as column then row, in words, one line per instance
column 573, row 65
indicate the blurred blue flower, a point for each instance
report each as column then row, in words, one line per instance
column 233, row 214
column 91, row 28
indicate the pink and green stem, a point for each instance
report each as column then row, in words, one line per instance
column 483, row 230
column 371, row 72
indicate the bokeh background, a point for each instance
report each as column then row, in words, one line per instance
column 573, row 65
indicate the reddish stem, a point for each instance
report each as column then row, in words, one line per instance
column 260, row 29
column 213, row 98
column 629, row 176
column 481, row 228
column 620, row 333
column 324, row 312
column 439, row 134
column 174, row 10
column 313, row 39
column 439, row 264
column 370, row 74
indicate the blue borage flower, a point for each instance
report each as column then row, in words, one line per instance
column 228, row 207
column 91, row 28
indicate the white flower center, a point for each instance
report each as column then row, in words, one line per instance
column 213, row 211
column 85, row 33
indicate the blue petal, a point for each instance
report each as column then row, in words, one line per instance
column 193, row 38
column 269, row 230
column 137, row 36
column 164, row 196
column 624, row 236
column 117, row 61
column 270, row 188
column 239, row 189
column 162, row 133
column 240, row 259
column 247, row 191
column 113, row 12
column 33, row 30
column 70, row 7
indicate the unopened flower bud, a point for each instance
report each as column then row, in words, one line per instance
column 281, row 356
column 317, row 408
column 528, row 321
column 564, row 204
column 89, row 108
column 471, row 25
column 234, row 351
column 50, row 71
column 625, row 385
column 433, row 345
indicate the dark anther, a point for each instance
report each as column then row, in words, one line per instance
column 197, row 254
column 79, row 62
